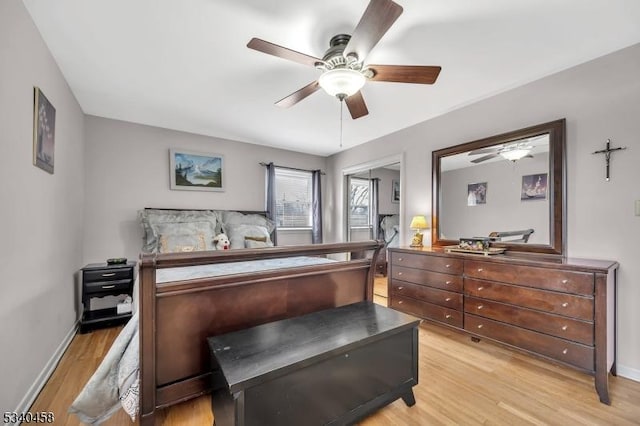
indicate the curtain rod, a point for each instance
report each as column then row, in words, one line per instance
column 290, row 168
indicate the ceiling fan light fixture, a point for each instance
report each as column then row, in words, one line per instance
column 342, row 82
column 515, row 154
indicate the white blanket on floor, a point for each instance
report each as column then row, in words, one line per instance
column 115, row 383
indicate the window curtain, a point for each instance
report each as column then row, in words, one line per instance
column 271, row 198
column 316, row 207
column 375, row 208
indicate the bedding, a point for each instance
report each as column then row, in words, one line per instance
column 115, row 383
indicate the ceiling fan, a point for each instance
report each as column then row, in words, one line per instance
column 511, row 152
column 344, row 72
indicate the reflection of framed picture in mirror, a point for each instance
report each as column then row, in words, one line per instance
column 476, row 194
column 395, row 191
column 534, row 187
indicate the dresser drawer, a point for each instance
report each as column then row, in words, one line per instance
column 568, row 305
column 427, row 294
column 107, row 286
column 555, row 325
column 432, row 279
column 571, row 353
column 108, row 274
column 530, row 276
column 427, row 310
column 428, row 262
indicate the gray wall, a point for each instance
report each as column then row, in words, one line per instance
column 41, row 215
column 127, row 169
column 503, row 211
column 600, row 99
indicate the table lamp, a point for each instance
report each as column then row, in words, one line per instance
column 418, row 223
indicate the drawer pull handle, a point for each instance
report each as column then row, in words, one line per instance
column 400, row 288
column 110, row 274
column 447, row 282
column 564, row 327
column 447, row 316
column 399, row 259
column 106, row 287
column 400, row 302
column 565, row 281
column 447, row 266
column 480, row 306
column 479, row 325
column 448, row 299
column 564, row 351
column 565, row 304
column 399, row 273
column 480, row 288
column 480, row 269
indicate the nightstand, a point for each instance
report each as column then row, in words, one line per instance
column 99, row 280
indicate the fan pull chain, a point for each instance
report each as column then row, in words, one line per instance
column 341, row 103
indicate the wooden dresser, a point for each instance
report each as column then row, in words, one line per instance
column 562, row 309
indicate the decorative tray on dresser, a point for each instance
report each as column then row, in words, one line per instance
column 562, row 309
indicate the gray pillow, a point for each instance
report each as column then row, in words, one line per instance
column 151, row 218
column 236, row 218
column 239, row 233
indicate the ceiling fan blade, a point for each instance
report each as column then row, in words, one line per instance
column 375, row 22
column 298, row 95
column 420, row 74
column 282, row 52
column 486, row 157
column 357, row 106
column 486, row 150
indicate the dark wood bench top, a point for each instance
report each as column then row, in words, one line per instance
column 258, row 354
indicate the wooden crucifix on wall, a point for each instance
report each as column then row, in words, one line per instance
column 607, row 154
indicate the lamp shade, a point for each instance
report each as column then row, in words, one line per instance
column 419, row 222
column 341, row 81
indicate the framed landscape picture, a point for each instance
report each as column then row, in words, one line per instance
column 44, row 131
column 534, row 187
column 196, row 171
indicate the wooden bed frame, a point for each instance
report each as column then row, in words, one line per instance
column 177, row 317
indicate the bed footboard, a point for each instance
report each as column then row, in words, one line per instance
column 176, row 317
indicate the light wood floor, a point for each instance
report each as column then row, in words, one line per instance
column 460, row 382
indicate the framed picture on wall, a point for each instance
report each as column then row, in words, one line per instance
column 196, row 171
column 534, row 187
column 476, row 194
column 395, row 191
column 44, row 131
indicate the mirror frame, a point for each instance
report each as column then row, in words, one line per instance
column 556, row 191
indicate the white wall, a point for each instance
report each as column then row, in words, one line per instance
column 127, row 169
column 503, row 210
column 600, row 99
column 41, row 215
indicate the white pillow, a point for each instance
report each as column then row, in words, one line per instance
column 237, row 234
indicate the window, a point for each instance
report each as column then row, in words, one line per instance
column 359, row 202
column 293, row 198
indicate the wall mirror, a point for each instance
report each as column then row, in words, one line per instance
column 509, row 187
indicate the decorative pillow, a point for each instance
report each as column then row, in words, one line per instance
column 175, row 243
column 237, row 218
column 151, row 219
column 238, row 233
column 256, row 242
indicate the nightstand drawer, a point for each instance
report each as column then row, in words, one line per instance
column 107, row 286
column 111, row 274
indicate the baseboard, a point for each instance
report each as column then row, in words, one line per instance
column 628, row 372
column 46, row 372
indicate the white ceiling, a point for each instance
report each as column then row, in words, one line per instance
column 184, row 65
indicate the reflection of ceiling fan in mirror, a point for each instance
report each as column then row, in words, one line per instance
column 512, row 151
column 343, row 70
